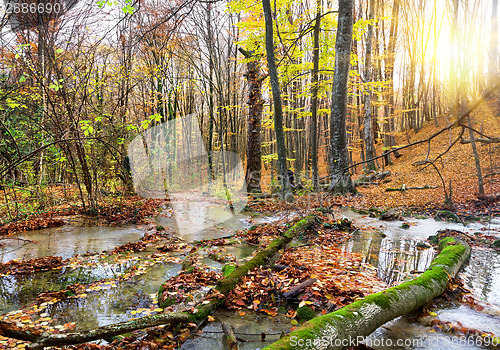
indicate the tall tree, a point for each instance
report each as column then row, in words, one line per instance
column 278, row 109
column 368, row 122
column 254, row 138
column 314, row 98
column 493, row 49
column 388, row 126
column 338, row 154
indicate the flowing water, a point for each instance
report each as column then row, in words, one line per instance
column 395, row 251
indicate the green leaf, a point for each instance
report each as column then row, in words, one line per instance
column 128, row 10
column 156, row 117
column 145, row 124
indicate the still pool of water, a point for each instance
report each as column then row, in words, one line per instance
column 67, row 241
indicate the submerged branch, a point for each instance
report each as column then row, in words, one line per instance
column 41, row 340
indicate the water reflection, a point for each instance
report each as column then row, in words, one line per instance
column 195, row 221
column 394, row 259
column 68, row 241
column 111, row 305
column 482, row 275
column 17, row 291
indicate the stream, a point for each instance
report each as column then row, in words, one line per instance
column 393, row 250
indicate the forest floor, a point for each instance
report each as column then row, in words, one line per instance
column 456, row 166
column 262, row 289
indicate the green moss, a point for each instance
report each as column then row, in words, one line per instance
column 420, row 217
column 446, row 241
column 361, row 211
column 405, row 225
column 382, row 299
column 228, row 269
column 472, row 218
column 305, row 313
column 393, row 294
column 167, row 302
column 447, row 216
column 160, row 292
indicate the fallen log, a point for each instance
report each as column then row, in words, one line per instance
column 371, row 179
column 40, row 340
column 348, row 326
column 299, row 287
column 403, row 188
column 481, row 140
column 228, row 283
column 230, row 337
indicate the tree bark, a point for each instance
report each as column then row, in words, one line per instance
column 368, row 123
column 254, row 137
column 477, row 162
column 388, row 126
column 278, row 109
column 299, row 287
column 338, row 154
column 361, row 318
column 493, row 47
column 230, row 337
column 314, row 99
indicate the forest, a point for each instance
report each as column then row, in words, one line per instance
column 239, row 174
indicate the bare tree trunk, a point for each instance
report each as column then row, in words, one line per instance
column 388, row 126
column 477, row 162
column 368, row 122
column 314, row 99
column 493, row 47
column 254, row 138
column 278, row 109
column 211, row 97
column 338, row 154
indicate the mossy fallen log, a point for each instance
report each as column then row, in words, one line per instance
column 348, row 326
column 228, row 283
column 40, row 340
